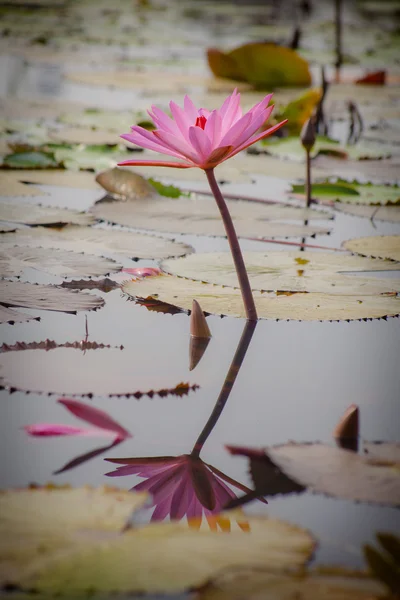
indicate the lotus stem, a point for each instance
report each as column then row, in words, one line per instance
column 229, row 382
column 247, row 295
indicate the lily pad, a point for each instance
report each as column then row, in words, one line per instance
column 8, row 315
column 80, row 135
column 353, row 193
column 375, row 213
column 290, row 271
column 380, row 246
column 29, row 160
column 90, row 158
column 164, row 558
column 264, row 65
column 228, row 301
column 298, row 110
column 94, row 240
column 41, row 524
column 14, row 182
column 292, row 148
column 46, row 297
column 106, row 372
column 35, row 214
column 388, row 452
column 337, row 472
column 199, row 215
column 252, row 584
column 96, row 118
column 15, row 259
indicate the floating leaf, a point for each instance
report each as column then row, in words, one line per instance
column 104, row 285
column 46, row 297
column 341, row 192
column 79, row 135
column 264, row 65
column 92, row 158
column 385, row 566
column 253, row 584
column 106, row 372
column 13, row 182
column 337, row 472
column 299, row 110
column 278, row 271
column 97, row 118
column 98, row 241
column 42, row 524
column 164, row 558
column 292, row 148
column 228, row 301
column 199, row 215
column 375, row 213
column 15, row 259
column 380, row 246
column 388, row 452
column 34, row 214
column 7, row 315
column 30, row 160
column 170, row 191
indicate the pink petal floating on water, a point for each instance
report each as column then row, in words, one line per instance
column 143, row 271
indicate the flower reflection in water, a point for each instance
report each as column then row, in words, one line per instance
column 183, row 485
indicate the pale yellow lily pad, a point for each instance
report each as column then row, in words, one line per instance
column 228, row 301
column 94, row 240
column 171, row 557
column 199, row 215
column 340, row 473
column 46, row 297
column 34, row 214
column 39, row 525
column 282, row 270
column 253, row 584
column 12, row 183
column 379, row 246
column 62, row 263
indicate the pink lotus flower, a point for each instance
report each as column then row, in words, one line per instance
column 199, row 137
column 105, row 426
column 182, row 485
column 204, row 139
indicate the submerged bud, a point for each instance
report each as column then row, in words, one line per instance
column 307, row 134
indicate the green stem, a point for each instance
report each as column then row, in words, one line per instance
column 237, row 256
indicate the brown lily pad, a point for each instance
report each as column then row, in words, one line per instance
column 379, row 246
column 33, row 214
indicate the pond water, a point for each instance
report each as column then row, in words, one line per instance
column 297, row 377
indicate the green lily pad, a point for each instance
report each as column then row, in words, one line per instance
column 353, row 193
column 97, row 118
column 30, row 160
column 170, row 191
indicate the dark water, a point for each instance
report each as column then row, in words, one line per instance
column 296, row 380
